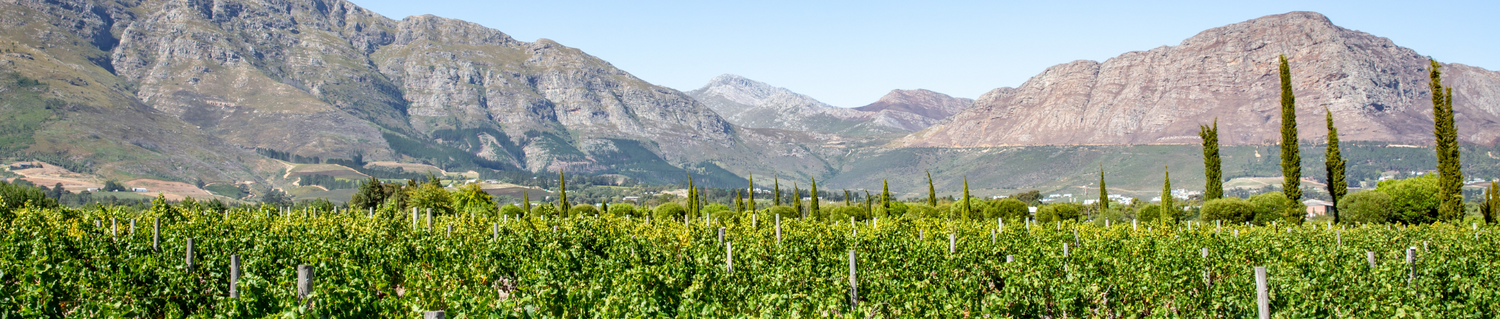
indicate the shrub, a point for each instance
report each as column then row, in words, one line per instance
column 622, row 209
column 1228, row 209
column 1413, row 200
column 583, row 210
column 1365, row 207
column 669, row 211
column 1148, row 213
column 786, row 212
column 512, row 210
column 1269, row 207
column 1012, row 209
column 1057, row 212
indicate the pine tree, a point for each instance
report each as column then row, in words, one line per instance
column 562, row 190
column 1168, row 210
column 813, row 205
column 776, row 183
column 750, row 194
column 885, row 195
column 1333, row 161
column 1103, row 192
column 967, row 211
column 1291, row 158
column 931, row 192
column 1450, row 176
column 1213, row 187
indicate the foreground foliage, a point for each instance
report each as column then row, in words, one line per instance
column 57, row 263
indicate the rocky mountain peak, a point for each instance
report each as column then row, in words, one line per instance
column 921, row 102
column 1376, row 90
column 449, row 32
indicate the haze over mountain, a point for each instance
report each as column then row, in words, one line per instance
column 1377, row 91
column 749, row 103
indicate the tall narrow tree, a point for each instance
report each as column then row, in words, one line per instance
column 1450, row 175
column 1491, row 204
column 885, row 195
column 797, row 200
column 1333, row 161
column 750, row 194
column 1213, row 187
column 848, row 201
column 869, row 205
column 562, row 191
column 968, row 210
column 739, row 201
column 776, row 183
column 1168, row 209
column 813, row 205
column 1291, row 158
column 526, row 201
column 931, row 192
column 1103, row 192
column 692, row 197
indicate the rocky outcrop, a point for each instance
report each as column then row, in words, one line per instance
column 1376, row 90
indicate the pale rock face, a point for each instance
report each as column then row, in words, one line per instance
column 754, row 104
column 1376, row 90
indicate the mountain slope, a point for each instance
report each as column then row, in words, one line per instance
column 754, row 104
column 914, row 110
column 1376, row 90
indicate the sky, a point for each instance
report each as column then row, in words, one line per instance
column 850, row 53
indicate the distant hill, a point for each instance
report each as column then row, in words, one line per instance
column 750, row 103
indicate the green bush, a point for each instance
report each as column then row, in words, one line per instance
column 1057, row 212
column 1012, row 209
column 786, row 212
column 512, row 211
column 584, row 210
column 622, row 209
column 1269, row 207
column 1365, row 207
column 1148, row 213
column 1413, row 200
column 842, row 213
column 1229, row 209
column 669, row 211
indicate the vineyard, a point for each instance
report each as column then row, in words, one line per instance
column 94, row 263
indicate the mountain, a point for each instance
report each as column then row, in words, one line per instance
column 914, row 110
column 171, row 89
column 750, row 103
column 1377, row 91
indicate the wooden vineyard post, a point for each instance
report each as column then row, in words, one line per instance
column 1010, row 258
column 372, row 213
column 778, row 229
column 1338, row 237
column 921, row 234
column 754, row 221
column 429, row 220
column 1411, row 265
column 1370, row 256
column 189, row 253
column 1262, row 296
column 952, row 243
column 413, row 218
column 992, row 236
column 729, row 257
column 1134, row 226
column 234, row 276
column 450, row 231
column 304, row 281
column 853, row 284
column 1207, row 279
column 156, row 234
column 721, row 235
column 114, row 227
column 495, row 234
column 434, row 315
column 132, row 227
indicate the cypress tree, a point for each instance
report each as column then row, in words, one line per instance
column 692, row 197
column 1213, row 187
column 751, row 194
column 776, row 183
column 967, row 209
column 885, row 195
column 1168, row 211
column 813, row 206
column 931, row 192
column 869, row 204
column 526, row 201
column 1103, row 191
column 1450, row 177
column 1291, row 158
column 739, row 201
column 1333, row 160
column 848, row 202
column 562, row 189
column 1491, row 205
column 797, row 200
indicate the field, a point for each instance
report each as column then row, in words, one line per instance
column 58, row 263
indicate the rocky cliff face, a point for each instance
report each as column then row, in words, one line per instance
column 330, row 79
column 749, row 103
column 1376, row 90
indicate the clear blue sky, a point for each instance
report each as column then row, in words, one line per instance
column 849, row 53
